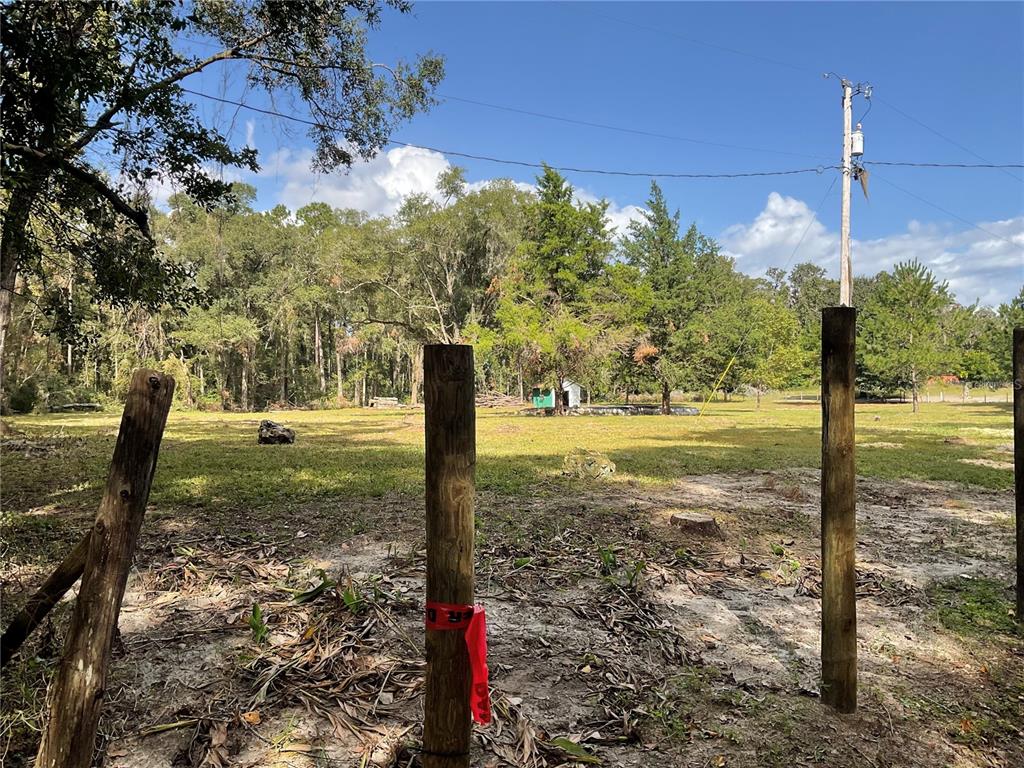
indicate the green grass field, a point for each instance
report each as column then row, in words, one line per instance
column 213, row 459
column 597, row 564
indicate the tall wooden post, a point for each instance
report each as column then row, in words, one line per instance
column 1018, row 460
column 77, row 693
column 838, row 510
column 448, row 399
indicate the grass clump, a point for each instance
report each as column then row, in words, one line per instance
column 975, row 607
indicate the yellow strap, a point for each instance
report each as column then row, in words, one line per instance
column 717, row 385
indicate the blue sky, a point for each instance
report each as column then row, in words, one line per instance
column 742, row 74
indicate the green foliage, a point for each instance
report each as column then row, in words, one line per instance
column 95, row 112
column 901, row 330
column 260, row 630
column 978, row 607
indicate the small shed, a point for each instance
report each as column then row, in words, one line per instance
column 545, row 397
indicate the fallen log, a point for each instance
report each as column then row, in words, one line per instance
column 42, row 602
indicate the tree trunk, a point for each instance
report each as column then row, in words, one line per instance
column 77, row 693
column 337, row 365
column 914, row 397
column 189, row 399
column 318, row 353
column 666, row 398
column 13, row 247
column 246, row 375
column 758, row 391
column 416, row 375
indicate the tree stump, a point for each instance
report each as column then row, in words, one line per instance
column 272, row 433
column 696, row 523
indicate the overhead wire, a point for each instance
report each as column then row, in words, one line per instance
column 946, row 211
column 622, row 129
column 524, row 163
column 942, row 136
column 785, row 266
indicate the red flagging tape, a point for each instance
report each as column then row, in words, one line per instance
column 473, row 621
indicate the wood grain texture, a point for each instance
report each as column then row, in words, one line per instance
column 448, row 398
column 838, row 510
column 1018, row 460
column 76, row 696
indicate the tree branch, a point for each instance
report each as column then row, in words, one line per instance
column 138, row 217
column 127, row 99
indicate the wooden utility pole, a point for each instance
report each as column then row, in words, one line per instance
column 1018, row 460
column 838, row 510
column 845, row 268
column 449, row 404
column 76, row 696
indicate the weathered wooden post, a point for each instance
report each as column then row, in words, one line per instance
column 448, row 399
column 1018, row 460
column 838, row 510
column 76, row 696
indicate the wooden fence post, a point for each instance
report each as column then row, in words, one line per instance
column 448, row 399
column 838, row 510
column 76, row 696
column 1018, row 460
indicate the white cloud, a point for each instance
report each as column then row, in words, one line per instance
column 376, row 186
column 979, row 265
column 771, row 238
column 619, row 216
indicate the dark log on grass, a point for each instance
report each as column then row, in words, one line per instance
column 40, row 604
column 450, row 479
column 838, row 510
column 76, row 695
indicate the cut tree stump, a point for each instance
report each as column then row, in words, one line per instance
column 76, row 696
column 696, row 523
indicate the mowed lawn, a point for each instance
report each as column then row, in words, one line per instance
column 211, row 465
column 213, row 459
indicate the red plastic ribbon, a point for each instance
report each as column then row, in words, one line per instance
column 473, row 620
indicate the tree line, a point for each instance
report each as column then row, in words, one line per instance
column 323, row 307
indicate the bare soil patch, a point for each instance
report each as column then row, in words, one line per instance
column 641, row 643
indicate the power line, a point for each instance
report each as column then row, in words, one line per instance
column 942, row 136
column 944, row 165
column 746, row 334
column 524, row 163
column 621, row 129
column 945, row 211
column 787, row 65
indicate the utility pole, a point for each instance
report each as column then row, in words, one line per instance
column 845, row 268
column 853, row 146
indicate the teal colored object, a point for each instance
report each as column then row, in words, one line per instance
column 543, row 399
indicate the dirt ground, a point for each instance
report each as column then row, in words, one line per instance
column 615, row 637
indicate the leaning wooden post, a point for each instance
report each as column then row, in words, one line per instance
column 838, row 510
column 39, row 605
column 76, row 696
column 448, row 400
column 1018, row 460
